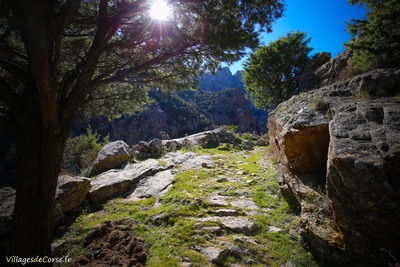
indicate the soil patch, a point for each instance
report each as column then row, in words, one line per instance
column 113, row 244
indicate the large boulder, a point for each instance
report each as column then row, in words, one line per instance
column 117, row 182
column 71, row 191
column 344, row 140
column 111, row 156
column 144, row 150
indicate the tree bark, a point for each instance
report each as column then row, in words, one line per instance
column 40, row 151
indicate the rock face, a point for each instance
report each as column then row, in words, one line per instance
column 190, row 113
column 112, row 155
column 321, row 71
column 345, row 138
column 220, row 100
column 71, row 191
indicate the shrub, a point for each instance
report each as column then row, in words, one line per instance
column 82, row 150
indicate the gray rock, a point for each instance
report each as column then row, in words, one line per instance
column 111, row 156
column 71, row 191
column 218, row 201
column 207, row 139
column 117, row 182
column 189, row 160
column 248, row 145
column 7, row 200
column 213, row 254
column 244, row 204
column 233, row 248
column 239, row 224
column 144, row 150
column 152, row 186
column 273, row 229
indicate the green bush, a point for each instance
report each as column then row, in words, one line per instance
column 231, row 128
column 82, row 150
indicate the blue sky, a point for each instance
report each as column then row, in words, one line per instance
column 322, row 20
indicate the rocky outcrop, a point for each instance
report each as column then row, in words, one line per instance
column 221, row 80
column 207, row 139
column 144, row 179
column 341, row 144
column 188, row 113
column 227, row 107
column 112, row 155
column 322, row 71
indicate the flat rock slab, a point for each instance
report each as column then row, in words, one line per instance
column 244, row 204
column 239, row 225
column 218, row 201
column 190, row 160
column 117, row 182
column 153, row 186
column 235, row 224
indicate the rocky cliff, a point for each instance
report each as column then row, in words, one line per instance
column 190, row 112
column 220, row 100
column 340, row 146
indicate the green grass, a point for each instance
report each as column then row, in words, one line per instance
column 169, row 229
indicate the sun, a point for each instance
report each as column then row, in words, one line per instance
column 160, row 10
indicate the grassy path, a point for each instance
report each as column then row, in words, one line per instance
column 229, row 214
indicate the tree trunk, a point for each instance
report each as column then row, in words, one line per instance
column 40, row 153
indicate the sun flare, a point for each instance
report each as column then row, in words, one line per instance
column 160, row 10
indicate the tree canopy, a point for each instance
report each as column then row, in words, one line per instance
column 59, row 58
column 377, row 42
column 271, row 73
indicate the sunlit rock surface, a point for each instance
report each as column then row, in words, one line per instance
column 341, row 145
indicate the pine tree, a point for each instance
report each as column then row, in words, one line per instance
column 377, row 42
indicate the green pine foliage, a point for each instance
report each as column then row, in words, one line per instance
column 377, row 42
column 271, row 74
